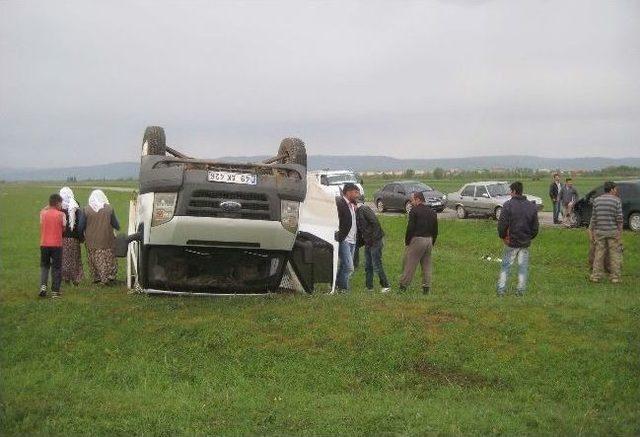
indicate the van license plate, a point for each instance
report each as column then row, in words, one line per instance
column 229, row 177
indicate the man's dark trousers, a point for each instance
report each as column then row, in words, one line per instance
column 373, row 263
column 51, row 258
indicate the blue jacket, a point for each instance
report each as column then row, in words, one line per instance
column 518, row 223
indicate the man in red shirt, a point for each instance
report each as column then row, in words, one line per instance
column 52, row 223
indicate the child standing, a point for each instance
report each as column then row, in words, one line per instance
column 52, row 224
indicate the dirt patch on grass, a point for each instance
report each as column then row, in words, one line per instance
column 456, row 377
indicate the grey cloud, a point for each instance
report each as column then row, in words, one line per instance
column 80, row 80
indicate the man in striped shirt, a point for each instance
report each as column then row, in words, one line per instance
column 605, row 230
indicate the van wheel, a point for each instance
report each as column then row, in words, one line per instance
column 461, row 213
column 293, row 151
column 380, row 205
column 497, row 213
column 634, row 222
column 154, row 141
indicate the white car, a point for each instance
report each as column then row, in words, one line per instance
column 484, row 198
column 208, row 227
column 333, row 181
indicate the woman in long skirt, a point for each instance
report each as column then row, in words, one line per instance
column 101, row 220
column 71, row 238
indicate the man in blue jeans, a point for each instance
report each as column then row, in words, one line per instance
column 518, row 225
column 346, row 235
column 370, row 235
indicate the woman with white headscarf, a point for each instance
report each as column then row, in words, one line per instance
column 101, row 220
column 71, row 237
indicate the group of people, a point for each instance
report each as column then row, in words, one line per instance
column 563, row 198
column 64, row 226
column 359, row 226
column 517, row 227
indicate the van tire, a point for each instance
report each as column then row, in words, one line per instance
column 154, row 141
column 293, row 151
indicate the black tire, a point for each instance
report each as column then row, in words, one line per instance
column 634, row 221
column 461, row 212
column 154, row 141
column 293, row 151
column 497, row 212
column 407, row 207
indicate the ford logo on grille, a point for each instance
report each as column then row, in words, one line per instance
column 230, row 205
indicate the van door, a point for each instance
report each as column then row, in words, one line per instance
column 314, row 257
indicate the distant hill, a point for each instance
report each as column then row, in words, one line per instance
column 127, row 170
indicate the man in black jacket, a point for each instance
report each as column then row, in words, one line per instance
column 518, row 225
column 346, row 235
column 370, row 234
column 554, row 193
column 422, row 231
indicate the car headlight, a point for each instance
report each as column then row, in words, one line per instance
column 164, row 205
column 289, row 214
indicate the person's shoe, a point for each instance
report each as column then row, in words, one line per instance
column 385, row 290
column 75, row 284
column 615, row 280
column 55, row 294
column 500, row 293
column 594, row 280
column 402, row 289
column 43, row 291
column 425, row 290
column 519, row 293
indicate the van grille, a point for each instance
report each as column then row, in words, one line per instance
column 206, row 203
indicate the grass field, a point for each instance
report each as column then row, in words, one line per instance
column 563, row 360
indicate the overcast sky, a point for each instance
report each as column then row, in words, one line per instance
column 80, row 80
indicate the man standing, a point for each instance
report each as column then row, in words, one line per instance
column 346, row 234
column 370, row 234
column 518, row 225
column 422, row 231
column 568, row 198
column 554, row 193
column 605, row 229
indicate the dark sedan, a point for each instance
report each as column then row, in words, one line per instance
column 629, row 192
column 396, row 195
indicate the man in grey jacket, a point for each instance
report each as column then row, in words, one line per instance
column 568, row 198
column 370, row 235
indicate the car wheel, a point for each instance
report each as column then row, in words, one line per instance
column 497, row 213
column 407, row 207
column 293, row 151
column 154, row 141
column 461, row 212
column 380, row 205
column 634, row 222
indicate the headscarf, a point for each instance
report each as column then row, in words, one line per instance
column 69, row 203
column 97, row 200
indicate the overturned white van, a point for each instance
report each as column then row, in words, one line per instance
column 210, row 227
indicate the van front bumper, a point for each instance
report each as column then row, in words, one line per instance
column 222, row 232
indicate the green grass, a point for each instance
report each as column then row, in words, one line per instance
column 563, row 360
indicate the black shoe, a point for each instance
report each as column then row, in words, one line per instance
column 425, row 290
column 402, row 289
column 43, row 291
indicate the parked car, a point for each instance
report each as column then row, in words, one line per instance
column 629, row 192
column 333, row 181
column 396, row 196
column 483, row 198
column 205, row 226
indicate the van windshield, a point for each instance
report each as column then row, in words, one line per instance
column 496, row 190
